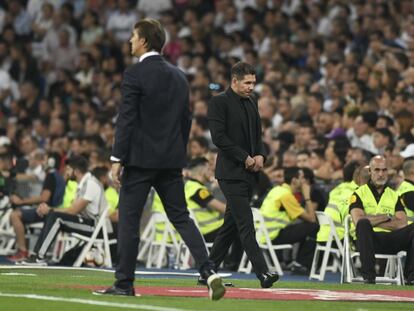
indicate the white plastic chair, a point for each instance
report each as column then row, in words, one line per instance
column 328, row 250
column 7, row 235
column 146, row 238
column 184, row 257
column 267, row 247
column 393, row 271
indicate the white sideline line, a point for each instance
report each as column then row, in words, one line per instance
column 91, row 302
column 138, row 272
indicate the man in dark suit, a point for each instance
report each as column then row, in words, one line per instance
column 150, row 150
column 235, row 128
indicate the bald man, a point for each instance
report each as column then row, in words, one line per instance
column 381, row 222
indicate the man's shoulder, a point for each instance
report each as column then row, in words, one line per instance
column 223, row 96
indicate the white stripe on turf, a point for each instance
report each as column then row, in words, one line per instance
column 91, row 302
column 137, row 272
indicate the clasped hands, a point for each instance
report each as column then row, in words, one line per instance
column 254, row 164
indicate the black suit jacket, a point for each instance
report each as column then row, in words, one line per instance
column 230, row 134
column 154, row 119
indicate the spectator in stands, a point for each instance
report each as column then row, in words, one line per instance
column 85, row 210
column 51, row 194
column 382, row 138
column 6, row 178
column 121, row 22
column 280, row 209
column 318, row 195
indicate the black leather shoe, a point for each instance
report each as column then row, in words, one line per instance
column 113, row 290
column 268, row 279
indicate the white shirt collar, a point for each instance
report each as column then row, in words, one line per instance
column 145, row 55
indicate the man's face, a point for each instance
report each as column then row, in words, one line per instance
column 297, row 182
column 379, row 172
column 276, row 177
column 302, row 160
column 137, row 44
column 70, row 173
column 245, row 86
column 380, row 141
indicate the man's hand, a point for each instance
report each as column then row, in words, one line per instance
column 43, row 209
column 249, row 163
column 16, row 200
column 116, row 170
column 258, row 165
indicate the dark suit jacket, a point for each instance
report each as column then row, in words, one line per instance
column 154, row 119
column 231, row 135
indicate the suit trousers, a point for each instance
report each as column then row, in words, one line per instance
column 135, row 186
column 238, row 220
column 370, row 242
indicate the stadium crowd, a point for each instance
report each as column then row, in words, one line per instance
column 335, row 82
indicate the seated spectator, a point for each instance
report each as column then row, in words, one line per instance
column 318, row 195
column 406, row 189
column 6, row 175
column 280, row 209
column 52, row 194
column 80, row 217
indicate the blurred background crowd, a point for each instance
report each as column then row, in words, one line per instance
column 335, row 78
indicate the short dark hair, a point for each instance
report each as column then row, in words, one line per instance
column 99, row 172
column 197, row 162
column 290, row 173
column 153, row 33
column 387, row 133
column 308, row 175
column 78, row 162
column 241, row 69
column 349, row 169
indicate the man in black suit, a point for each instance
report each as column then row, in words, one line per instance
column 235, row 128
column 150, row 150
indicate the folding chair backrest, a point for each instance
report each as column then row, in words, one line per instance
column 260, row 225
column 325, row 219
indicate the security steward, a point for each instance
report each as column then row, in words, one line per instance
column 207, row 210
column 381, row 222
column 338, row 203
column 406, row 189
column 280, row 209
